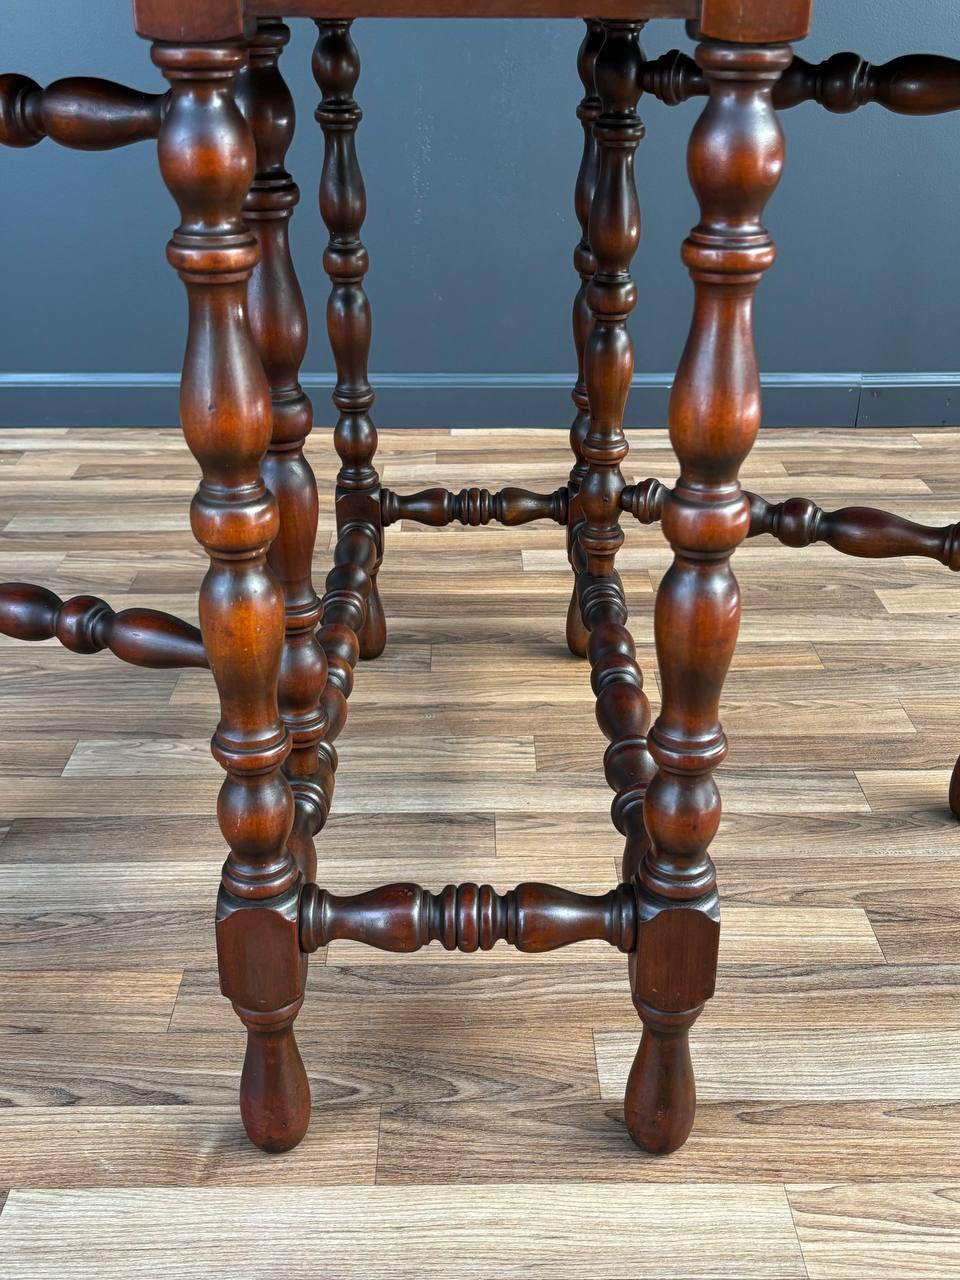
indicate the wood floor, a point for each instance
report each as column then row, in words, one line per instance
column 468, row 1108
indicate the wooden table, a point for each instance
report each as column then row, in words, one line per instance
column 283, row 657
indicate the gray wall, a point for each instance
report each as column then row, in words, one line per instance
column 470, row 147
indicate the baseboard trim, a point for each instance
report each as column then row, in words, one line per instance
column 466, row 400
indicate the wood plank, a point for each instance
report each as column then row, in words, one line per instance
column 795, row 835
column 185, row 757
column 454, row 999
column 365, row 1063
column 757, row 792
column 794, row 1066
column 175, row 1146
column 401, row 838
column 577, row 1232
column 46, row 938
column 732, row 1142
column 38, row 1000
column 34, row 757
column 896, row 1229
column 829, row 1054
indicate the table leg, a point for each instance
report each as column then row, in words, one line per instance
column 735, row 161
column 343, row 204
column 586, row 265
column 207, row 158
column 279, row 321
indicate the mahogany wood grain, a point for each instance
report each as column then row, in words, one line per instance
column 87, row 624
column 922, row 84
column 623, row 711
column 347, row 592
column 283, row 659
column 469, row 917
column 278, row 318
column 854, row 531
column 735, row 20
column 208, row 161
column 735, row 160
column 585, row 264
column 473, row 507
column 200, row 21
column 343, row 205
column 81, row 112
column 645, row 501
column 754, row 21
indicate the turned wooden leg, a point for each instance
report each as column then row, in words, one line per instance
column 735, row 161
column 207, row 158
column 343, row 204
column 585, row 264
column 279, row 321
column 623, row 711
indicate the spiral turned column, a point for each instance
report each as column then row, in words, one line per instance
column 735, row 161
column 278, row 319
column 623, row 711
column 586, row 264
column 346, row 600
column 614, row 234
column 207, row 158
column 343, row 204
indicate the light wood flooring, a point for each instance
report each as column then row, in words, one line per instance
column 468, row 1109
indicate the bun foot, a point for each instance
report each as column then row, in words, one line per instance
column 274, row 1091
column 373, row 634
column 661, row 1098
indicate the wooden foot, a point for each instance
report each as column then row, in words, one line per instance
column 274, row 1092
column 373, row 633
column 661, row 1099
column 735, row 159
column 208, row 159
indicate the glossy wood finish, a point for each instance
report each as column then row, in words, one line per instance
column 586, row 265
column 914, row 85
column 469, row 917
column 854, row 531
column 645, row 501
column 758, row 21
column 283, row 660
column 208, row 161
column 473, row 507
column 344, row 607
column 735, row 20
column 735, row 161
column 81, row 112
column 278, row 318
column 87, row 624
column 343, row 204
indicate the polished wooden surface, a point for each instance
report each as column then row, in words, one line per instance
column 744, row 21
column 828, row 1061
column 208, row 160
